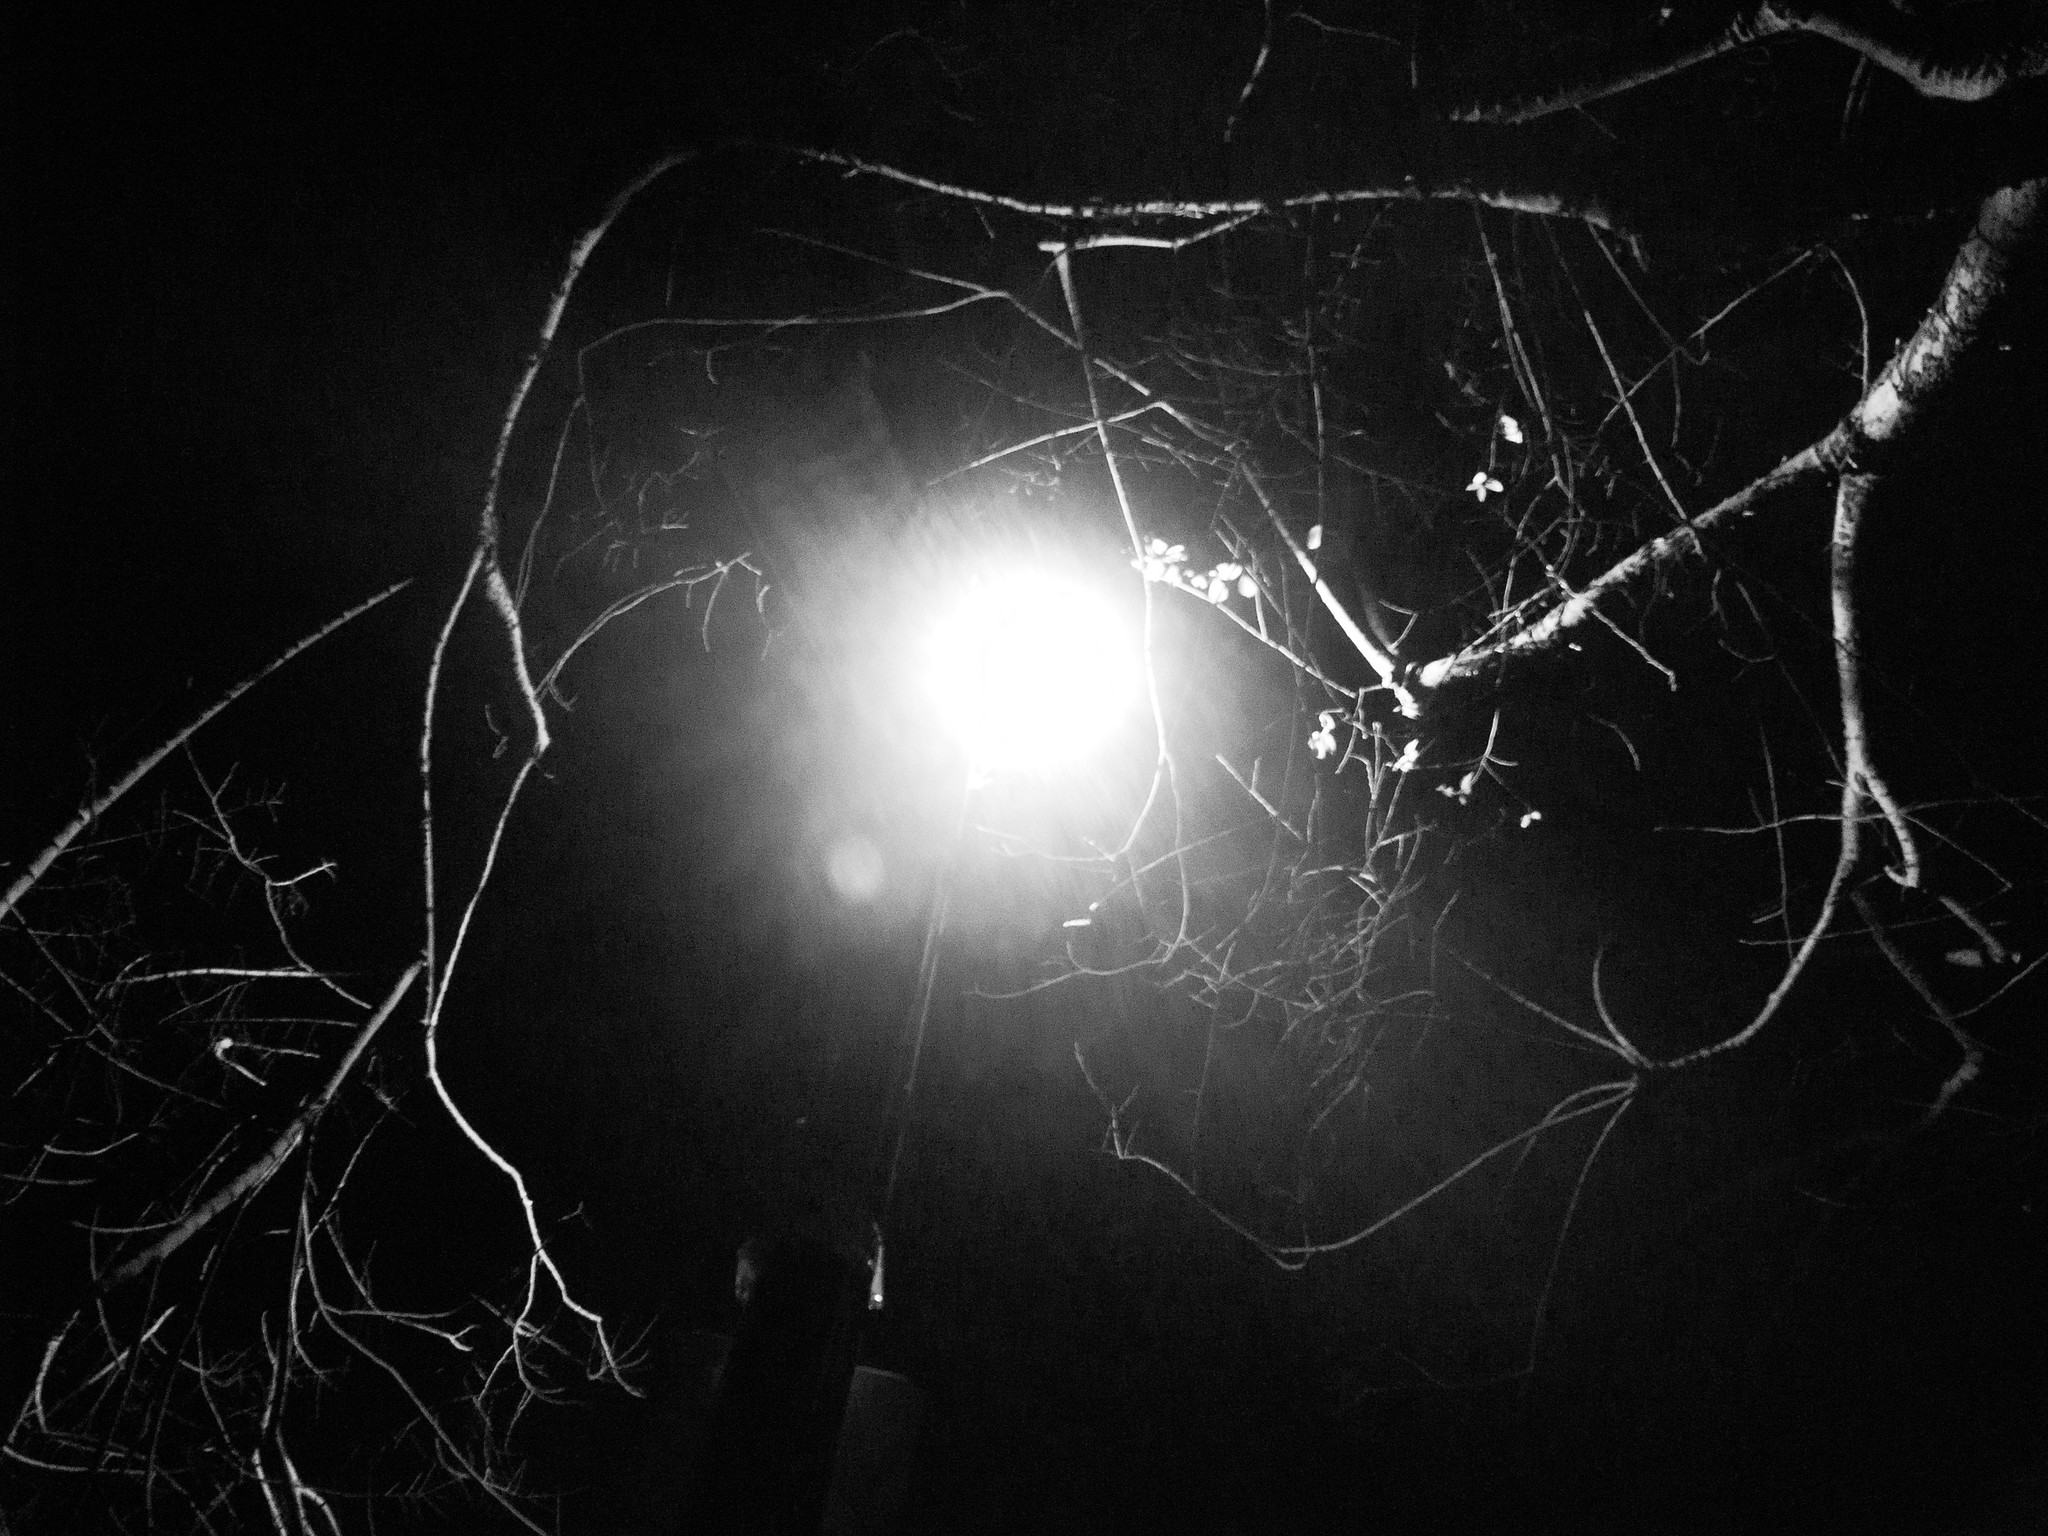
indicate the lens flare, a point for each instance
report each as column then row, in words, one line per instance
column 854, row 866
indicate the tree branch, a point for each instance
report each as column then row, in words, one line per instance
column 92, row 813
column 1551, row 631
column 1972, row 1064
column 2009, row 223
column 1971, row 54
column 1543, row 200
column 1881, row 427
column 258, row 1173
column 1859, row 767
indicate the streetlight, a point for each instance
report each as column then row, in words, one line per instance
column 1025, row 672
column 1021, row 673
column 1028, row 671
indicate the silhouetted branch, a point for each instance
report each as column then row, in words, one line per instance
column 1880, row 425
column 41, row 863
column 258, row 1173
column 1966, row 52
column 1544, row 200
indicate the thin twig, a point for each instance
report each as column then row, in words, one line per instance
column 1163, row 769
column 1602, row 1096
column 258, row 1173
column 1252, row 80
column 539, row 1258
column 98, row 808
column 1564, row 1228
column 1973, row 1052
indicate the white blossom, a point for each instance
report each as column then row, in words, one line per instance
column 1324, row 741
column 1161, row 560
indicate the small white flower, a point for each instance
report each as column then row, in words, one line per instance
column 1246, row 587
column 1529, row 818
column 1161, row 560
column 1411, row 756
column 1315, row 537
column 1324, row 741
column 1510, row 428
column 1482, row 483
column 1218, row 588
column 1462, row 790
column 1229, row 570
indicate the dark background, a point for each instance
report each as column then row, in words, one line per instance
column 269, row 287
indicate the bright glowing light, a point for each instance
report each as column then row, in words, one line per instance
column 1031, row 670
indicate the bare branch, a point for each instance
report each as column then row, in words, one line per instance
column 1972, row 1064
column 2009, row 222
column 1574, row 1106
column 1164, row 772
column 1252, row 80
column 1882, row 423
column 1553, row 629
column 1374, row 657
column 1848, row 853
column 1544, row 202
column 1971, row 53
column 98, row 808
column 538, row 1257
column 258, row 1173
column 1858, row 768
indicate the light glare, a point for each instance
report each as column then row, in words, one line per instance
column 1031, row 671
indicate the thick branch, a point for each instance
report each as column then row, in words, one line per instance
column 1555, row 626
column 2008, row 222
column 1970, row 53
column 1881, row 427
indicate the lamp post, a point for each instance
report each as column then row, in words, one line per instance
column 1019, row 674
column 1025, row 673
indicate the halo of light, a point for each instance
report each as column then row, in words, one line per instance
column 854, row 866
column 1030, row 670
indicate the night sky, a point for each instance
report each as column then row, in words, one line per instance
column 269, row 288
